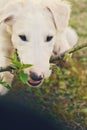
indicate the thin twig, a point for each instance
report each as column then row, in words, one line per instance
column 70, row 51
column 77, row 48
column 8, row 68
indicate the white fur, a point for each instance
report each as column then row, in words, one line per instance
column 37, row 20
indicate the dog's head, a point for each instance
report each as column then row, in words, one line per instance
column 34, row 28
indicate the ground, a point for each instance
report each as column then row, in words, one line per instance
column 62, row 97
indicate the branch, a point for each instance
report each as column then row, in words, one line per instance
column 8, row 68
column 53, row 59
column 70, row 51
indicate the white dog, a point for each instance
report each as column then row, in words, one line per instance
column 38, row 29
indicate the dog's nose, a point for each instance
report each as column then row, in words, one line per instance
column 34, row 76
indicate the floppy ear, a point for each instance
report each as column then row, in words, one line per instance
column 60, row 12
column 9, row 12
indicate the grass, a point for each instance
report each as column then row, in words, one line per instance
column 64, row 94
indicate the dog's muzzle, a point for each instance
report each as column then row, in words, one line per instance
column 35, row 79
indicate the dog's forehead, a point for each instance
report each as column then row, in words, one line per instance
column 37, row 19
column 34, row 13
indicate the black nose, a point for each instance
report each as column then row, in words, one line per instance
column 35, row 76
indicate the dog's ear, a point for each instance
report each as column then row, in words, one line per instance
column 9, row 12
column 60, row 12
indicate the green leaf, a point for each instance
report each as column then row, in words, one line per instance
column 1, row 79
column 83, row 59
column 47, row 80
column 84, row 97
column 67, row 56
column 61, row 83
column 84, row 110
column 13, row 67
column 47, row 91
column 23, row 77
column 15, row 57
column 16, row 64
column 5, row 84
column 26, row 66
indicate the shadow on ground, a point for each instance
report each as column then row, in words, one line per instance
column 19, row 112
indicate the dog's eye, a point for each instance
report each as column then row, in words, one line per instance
column 23, row 37
column 49, row 38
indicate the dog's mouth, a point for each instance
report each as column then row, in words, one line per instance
column 34, row 83
column 34, row 79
